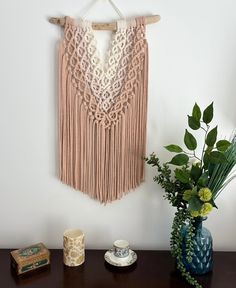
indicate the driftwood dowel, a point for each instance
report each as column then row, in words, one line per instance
column 104, row 25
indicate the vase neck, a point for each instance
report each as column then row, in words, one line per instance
column 198, row 222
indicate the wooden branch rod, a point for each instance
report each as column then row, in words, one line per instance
column 104, row 26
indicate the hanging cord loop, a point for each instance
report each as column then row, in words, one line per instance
column 89, row 7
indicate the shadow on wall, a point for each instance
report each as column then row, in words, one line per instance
column 55, row 112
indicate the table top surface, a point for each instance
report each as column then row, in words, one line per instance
column 152, row 269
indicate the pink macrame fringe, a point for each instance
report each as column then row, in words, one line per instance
column 104, row 162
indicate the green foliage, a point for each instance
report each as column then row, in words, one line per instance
column 176, row 241
column 195, row 204
column 193, row 187
column 190, row 141
column 174, row 148
column 182, row 175
column 221, row 173
column 216, row 157
column 194, row 120
column 179, row 160
column 211, row 137
column 212, row 151
column 195, row 173
column 208, row 114
column 203, row 179
column 196, row 113
column 222, row 145
column 173, row 188
column 206, row 160
column 193, row 123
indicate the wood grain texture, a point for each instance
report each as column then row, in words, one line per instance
column 153, row 269
column 103, row 25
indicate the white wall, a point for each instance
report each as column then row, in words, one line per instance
column 192, row 58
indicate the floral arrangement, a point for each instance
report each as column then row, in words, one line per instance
column 193, row 186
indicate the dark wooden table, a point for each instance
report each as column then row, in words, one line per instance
column 153, row 269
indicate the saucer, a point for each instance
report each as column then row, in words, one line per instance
column 120, row 262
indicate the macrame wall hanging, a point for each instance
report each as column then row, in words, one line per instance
column 103, row 107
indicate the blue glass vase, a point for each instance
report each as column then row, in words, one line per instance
column 202, row 258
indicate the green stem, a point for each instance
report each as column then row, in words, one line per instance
column 204, row 146
column 203, row 129
column 192, row 155
column 188, row 153
column 196, row 156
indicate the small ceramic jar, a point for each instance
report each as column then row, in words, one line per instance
column 73, row 247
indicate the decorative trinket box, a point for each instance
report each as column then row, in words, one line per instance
column 30, row 258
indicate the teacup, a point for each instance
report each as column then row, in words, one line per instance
column 121, row 248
